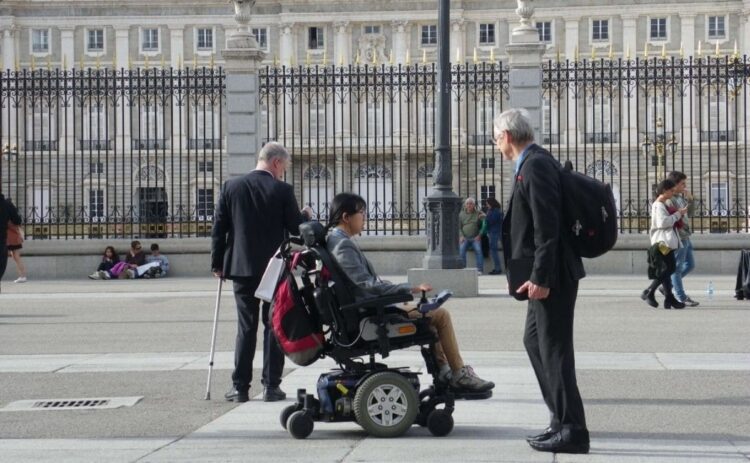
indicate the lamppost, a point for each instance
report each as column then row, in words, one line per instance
column 660, row 144
column 443, row 205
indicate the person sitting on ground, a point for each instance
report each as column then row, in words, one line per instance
column 109, row 260
column 156, row 256
column 134, row 259
column 347, row 219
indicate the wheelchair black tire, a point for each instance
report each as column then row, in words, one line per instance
column 386, row 379
column 286, row 413
column 300, row 424
column 440, row 422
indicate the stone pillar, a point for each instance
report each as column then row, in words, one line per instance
column 122, row 46
column 525, row 79
column 342, row 56
column 67, row 56
column 243, row 60
column 571, row 50
column 400, row 40
column 400, row 37
column 630, row 50
column 287, row 58
column 458, row 28
column 177, row 45
column 10, row 128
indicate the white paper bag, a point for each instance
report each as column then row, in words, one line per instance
column 142, row 269
column 270, row 279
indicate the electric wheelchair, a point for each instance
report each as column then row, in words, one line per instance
column 385, row 401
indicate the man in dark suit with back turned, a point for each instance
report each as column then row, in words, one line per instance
column 253, row 214
column 546, row 270
column 8, row 212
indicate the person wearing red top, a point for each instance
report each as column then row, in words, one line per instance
column 14, row 243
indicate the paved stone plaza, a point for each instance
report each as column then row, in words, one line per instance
column 658, row 385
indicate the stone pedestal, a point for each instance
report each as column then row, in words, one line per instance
column 463, row 282
column 243, row 59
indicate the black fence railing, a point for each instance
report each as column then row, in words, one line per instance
column 630, row 122
column 370, row 130
column 113, row 154
column 140, row 153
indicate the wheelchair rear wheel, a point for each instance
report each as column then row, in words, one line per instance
column 386, row 404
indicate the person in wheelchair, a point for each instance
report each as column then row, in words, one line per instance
column 347, row 219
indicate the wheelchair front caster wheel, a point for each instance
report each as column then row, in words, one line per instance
column 440, row 423
column 300, row 424
column 286, row 413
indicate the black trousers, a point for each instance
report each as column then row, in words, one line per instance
column 248, row 314
column 3, row 259
column 549, row 343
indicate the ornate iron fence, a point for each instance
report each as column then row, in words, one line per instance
column 104, row 153
column 631, row 122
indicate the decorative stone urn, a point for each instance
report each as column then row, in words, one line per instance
column 526, row 31
column 242, row 37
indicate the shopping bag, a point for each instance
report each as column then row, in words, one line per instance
column 270, row 279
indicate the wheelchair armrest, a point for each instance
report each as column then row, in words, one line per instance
column 378, row 302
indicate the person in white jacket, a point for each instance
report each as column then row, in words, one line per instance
column 662, row 233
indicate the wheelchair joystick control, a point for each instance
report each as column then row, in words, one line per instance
column 423, row 299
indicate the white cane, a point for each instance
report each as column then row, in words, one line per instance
column 213, row 340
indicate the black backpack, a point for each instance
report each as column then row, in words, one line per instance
column 589, row 213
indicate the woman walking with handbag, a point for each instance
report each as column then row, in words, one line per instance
column 664, row 242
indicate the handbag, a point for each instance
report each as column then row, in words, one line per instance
column 271, row 277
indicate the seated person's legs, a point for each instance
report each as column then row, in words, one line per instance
column 447, row 352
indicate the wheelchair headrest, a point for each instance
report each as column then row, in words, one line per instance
column 313, row 234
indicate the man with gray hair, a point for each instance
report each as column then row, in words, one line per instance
column 254, row 213
column 542, row 268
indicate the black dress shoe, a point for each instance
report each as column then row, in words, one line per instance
column 564, row 441
column 235, row 395
column 543, row 436
column 273, row 394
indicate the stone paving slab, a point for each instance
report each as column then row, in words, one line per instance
column 78, row 450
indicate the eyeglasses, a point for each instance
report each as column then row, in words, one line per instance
column 497, row 138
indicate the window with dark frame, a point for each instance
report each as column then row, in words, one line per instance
column 429, row 34
column 486, row 191
column 205, row 166
column 315, row 38
column 95, row 41
column 545, row 31
column 487, row 34
column 371, row 29
column 205, row 39
column 600, row 30
column 96, row 203
column 150, row 40
column 716, row 27
column 96, row 168
column 205, row 202
column 40, row 40
column 658, row 29
column 488, row 163
column 261, row 36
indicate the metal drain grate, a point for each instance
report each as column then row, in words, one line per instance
column 96, row 403
column 81, row 403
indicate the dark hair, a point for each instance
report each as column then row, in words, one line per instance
column 154, row 247
column 345, row 203
column 493, row 203
column 134, row 244
column 115, row 257
column 676, row 176
column 664, row 185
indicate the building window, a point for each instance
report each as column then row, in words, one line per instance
column 96, row 204
column 488, row 163
column 95, row 40
column 150, row 40
column 204, row 39
column 317, row 122
column 719, row 198
column 486, row 34
column 261, row 36
column 716, row 27
column 205, row 166
column 372, row 30
column 487, row 191
column 600, row 30
column 40, row 40
column 96, row 168
column 429, row 35
column 545, row 31
column 658, row 29
column 205, row 203
column 315, row 38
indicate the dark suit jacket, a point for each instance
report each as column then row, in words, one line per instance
column 250, row 221
column 8, row 212
column 532, row 226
